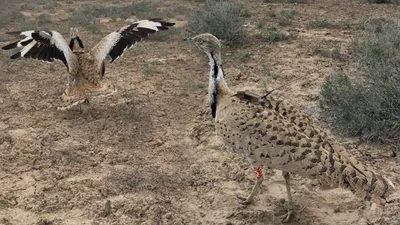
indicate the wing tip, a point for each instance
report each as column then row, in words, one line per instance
column 10, row 46
column 14, row 32
column 163, row 22
column 16, row 55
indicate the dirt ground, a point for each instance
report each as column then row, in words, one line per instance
column 149, row 155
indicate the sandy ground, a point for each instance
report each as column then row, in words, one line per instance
column 149, row 154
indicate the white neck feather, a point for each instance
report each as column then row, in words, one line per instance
column 216, row 77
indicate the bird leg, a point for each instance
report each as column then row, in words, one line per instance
column 83, row 105
column 250, row 197
column 288, row 216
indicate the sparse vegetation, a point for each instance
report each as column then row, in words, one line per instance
column 223, row 19
column 82, row 19
column 335, row 53
column 261, row 23
column 276, row 36
column 244, row 57
column 285, row 1
column 266, row 70
column 89, row 14
column 320, row 23
column 14, row 18
column 30, row 6
column 94, row 27
column 369, row 105
column 286, row 16
column 51, row 6
column 193, row 84
column 44, row 19
column 319, row 49
column 328, row 52
column 377, row 24
column 165, row 36
column 150, row 68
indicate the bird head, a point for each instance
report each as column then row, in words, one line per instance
column 73, row 32
column 206, row 42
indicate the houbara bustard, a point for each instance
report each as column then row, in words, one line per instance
column 277, row 135
column 86, row 69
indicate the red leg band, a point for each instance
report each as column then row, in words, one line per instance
column 258, row 171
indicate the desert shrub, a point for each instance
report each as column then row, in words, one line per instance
column 368, row 106
column 320, row 23
column 82, row 19
column 52, row 6
column 30, row 6
column 286, row 16
column 377, row 24
column 222, row 19
column 276, row 36
column 13, row 18
column 44, row 18
column 333, row 50
column 335, row 53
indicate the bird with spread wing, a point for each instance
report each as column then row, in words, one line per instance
column 86, row 69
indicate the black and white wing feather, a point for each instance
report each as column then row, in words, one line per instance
column 113, row 45
column 43, row 45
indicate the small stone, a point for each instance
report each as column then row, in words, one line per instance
column 230, row 215
column 159, row 142
column 202, row 214
column 337, row 210
column 168, row 216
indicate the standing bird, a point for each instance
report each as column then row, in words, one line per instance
column 86, row 69
column 280, row 137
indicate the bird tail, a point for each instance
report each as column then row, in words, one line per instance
column 342, row 168
column 352, row 174
column 330, row 164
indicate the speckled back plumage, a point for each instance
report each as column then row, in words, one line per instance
column 285, row 139
column 304, row 124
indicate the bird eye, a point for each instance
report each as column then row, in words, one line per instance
column 200, row 41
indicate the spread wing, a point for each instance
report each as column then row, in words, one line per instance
column 113, row 45
column 43, row 45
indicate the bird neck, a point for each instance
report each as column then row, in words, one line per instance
column 217, row 85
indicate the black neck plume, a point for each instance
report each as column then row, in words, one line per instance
column 213, row 86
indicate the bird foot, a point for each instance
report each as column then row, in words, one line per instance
column 244, row 200
column 287, row 217
column 80, row 103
